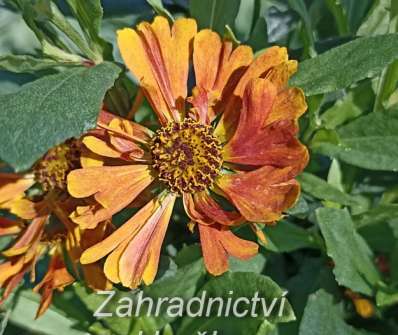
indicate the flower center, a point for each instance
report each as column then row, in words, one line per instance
column 51, row 171
column 187, row 156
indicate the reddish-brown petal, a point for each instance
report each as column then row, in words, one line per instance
column 206, row 205
column 56, row 278
column 218, row 243
column 265, row 134
column 9, row 227
column 263, row 194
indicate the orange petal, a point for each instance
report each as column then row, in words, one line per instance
column 114, row 187
column 100, row 147
column 263, row 194
column 206, row 205
column 125, row 232
column 159, row 58
column 124, row 128
column 141, row 258
column 289, row 105
column 206, row 58
column 9, row 227
column 257, row 104
column 219, row 243
column 57, row 277
column 111, row 266
column 27, row 209
column 271, row 58
column 28, row 238
column 13, row 186
column 217, row 70
column 265, row 135
column 12, row 284
column 9, row 269
column 214, row 254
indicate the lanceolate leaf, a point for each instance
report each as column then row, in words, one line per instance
column 50, row 110
column 319, row 188
column 89, row 15
column 353, row 266
column 347, row 64
column 370, row 142
column 30, row 64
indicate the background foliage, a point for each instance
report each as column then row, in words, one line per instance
column 342, row 234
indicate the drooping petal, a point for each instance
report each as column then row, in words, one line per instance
column 9, row 227
column 218, row 243
column 263, row 194
column 114, row 187
column 13, row 186
column 159, row 57
column 202, row 208
column 29, row 237
column 123, row 233
column 56, row 278
column 27, row 209
column 140, row 259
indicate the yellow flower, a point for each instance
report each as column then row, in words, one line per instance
column 234, row 136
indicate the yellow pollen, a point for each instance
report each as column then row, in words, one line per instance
column 187, row 156
column 51, row 171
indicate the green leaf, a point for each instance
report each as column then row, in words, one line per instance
column 379, row 214
column 378, row 19
column 244, row 19
column 214, row 14
column 231, row 286
column 54, row 321
column 349, row 63
column 370, row 142
column 89, row 15
column 50, row 110
column 386, row 296
column 354, row 267
column 320, row 189
column 323, row 316
column 255, row 264
column 287, row 237
column 157, row 5
column 30, row 64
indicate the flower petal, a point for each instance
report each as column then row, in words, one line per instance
column 159, row 58
column 218, row 243
column 114, row 187
column 13, row 186
column 9, row 227
column 28, row 238
column 141, row 258
column 265, row 135
column 125, row 232
column 271, row 58
column 263, row 194
column 209, row 208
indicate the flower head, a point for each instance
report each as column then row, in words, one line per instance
column 234, row 137
column 43, row 227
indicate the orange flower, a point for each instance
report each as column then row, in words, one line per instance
column 40, row 200
column 235, row 136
